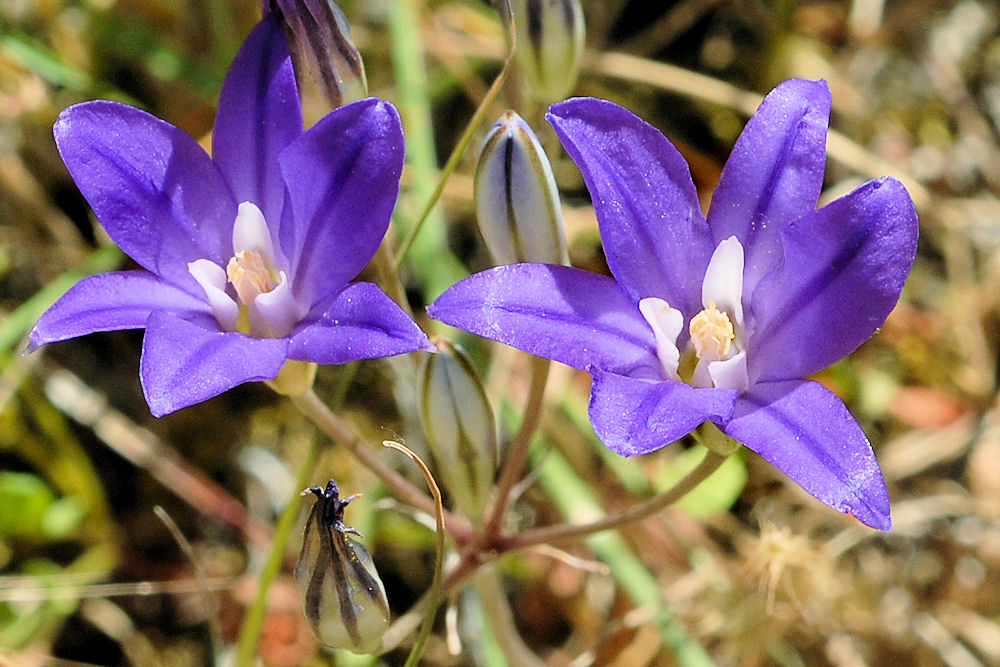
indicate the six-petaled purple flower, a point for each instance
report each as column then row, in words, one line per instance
column 715, row 319
column 246, row 255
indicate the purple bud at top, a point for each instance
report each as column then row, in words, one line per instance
column 321, row 43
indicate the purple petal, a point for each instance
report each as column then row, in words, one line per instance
column 558, row 312
column 157, row 193
column 361, row 322
column 843, row 271
column 258, row 116
column 806, row 432
column 775, row 172
column 633, row 416
column 109, row 302
column 184, row 363
column 343, row 178
column 655, row 238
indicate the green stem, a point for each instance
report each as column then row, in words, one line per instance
column 250, row 632
column 433, row 263
column 574, row 499
column 403, row 626
column 434, row 594
column 514, row 463
column 456, row 156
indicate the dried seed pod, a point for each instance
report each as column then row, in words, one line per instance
column 321, row 43
column 517, row 202
column 549, row 45
column 460, row 427
column 342, row 595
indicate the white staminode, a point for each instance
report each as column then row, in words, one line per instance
column 716, row 332
column 261, row 288
column 667, row 324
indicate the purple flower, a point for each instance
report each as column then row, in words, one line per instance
column 246, row 255
column 720, row 319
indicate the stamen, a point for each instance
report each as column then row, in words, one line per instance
column 249, row 275
column 712, row 333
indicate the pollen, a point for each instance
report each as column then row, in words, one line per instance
column 249, row 275
column 712, row 333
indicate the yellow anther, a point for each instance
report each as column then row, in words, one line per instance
column 249, row 275
column 712, row 333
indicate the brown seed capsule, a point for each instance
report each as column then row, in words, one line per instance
column 342, row 595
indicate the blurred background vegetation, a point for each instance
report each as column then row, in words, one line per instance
column 751, row 570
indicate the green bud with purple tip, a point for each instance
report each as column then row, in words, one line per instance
column 460, row 427
column 342, row 595
column 517, row 202
column 549, row 45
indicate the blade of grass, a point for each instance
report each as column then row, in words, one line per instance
column 434, row 264
column 19, row 322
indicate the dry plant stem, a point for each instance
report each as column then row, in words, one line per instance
column 336, row 429
column 144, row 450
column 561, row 532
column 210, row 602
column 518, row 454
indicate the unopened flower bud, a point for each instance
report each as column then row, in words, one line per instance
column 321, row 43
column 460, row 427
column 342, row 595
column 517, row 203
column 549, row 44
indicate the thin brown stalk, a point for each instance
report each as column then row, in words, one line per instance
column 562, row 532
column 518, row 454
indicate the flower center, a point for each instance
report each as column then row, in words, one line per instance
column 712, row 333
column 265, row 306
column 717, row 333
column 250, row 276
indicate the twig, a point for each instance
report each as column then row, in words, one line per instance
column 561, row 532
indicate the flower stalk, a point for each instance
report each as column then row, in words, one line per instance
column 562, row 532
column 478, row 117
column 513, row 464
